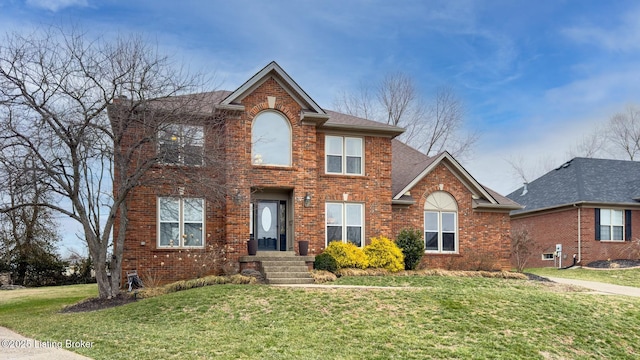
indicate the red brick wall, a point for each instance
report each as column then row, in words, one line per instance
column 561, row 227
column 484, row 237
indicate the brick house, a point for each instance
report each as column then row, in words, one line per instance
column 297, row 172
column 591, row 207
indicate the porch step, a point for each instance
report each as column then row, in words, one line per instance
column 285, row 270
column 281, row 281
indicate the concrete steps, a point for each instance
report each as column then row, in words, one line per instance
column 284, row 267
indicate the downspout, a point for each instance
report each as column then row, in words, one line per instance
column 579, row 234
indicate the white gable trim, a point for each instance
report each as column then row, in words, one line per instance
column 458, row 171
column 261, row 76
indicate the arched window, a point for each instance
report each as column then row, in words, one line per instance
column 441, row 223
column 271, row 140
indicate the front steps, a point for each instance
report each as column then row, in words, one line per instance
column 282, row 267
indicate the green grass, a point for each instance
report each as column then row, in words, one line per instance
column 432, row 318
column 626, row 277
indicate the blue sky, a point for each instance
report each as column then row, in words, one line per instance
column 536, row 76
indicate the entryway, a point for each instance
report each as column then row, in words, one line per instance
column 270, row 220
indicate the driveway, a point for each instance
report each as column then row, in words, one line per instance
column 600, row 288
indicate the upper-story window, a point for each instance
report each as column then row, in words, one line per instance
column 441, row 223
column 343, row 155
column 181, row 144
column 271, row 140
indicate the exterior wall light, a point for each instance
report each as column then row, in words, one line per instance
column 307, row 200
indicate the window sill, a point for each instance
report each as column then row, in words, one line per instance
column 442, row 253
column 274, row 167
column 177, row 248
column 344, row 176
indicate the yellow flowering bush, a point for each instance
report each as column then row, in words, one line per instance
column 347, row 255
column 383, row 253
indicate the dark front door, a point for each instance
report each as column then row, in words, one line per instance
column 270, row 225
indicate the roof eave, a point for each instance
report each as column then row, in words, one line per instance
column 593, row 204
column 386, row 132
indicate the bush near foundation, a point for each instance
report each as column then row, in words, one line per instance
column 347, row 255
column 326, row 262
column 383, row 253
column 412, row 245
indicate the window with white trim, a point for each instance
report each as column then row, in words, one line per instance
column 181, row 144
column 611, row 225
column 271, row 139
column 548, row 256
column 180, row 222
column 441, row 223
column 343, row 155
column 344, row 222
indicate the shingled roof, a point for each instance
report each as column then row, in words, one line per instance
column 582, row 180
column 410, row 166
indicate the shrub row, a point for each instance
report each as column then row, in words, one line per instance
column 381, row 253
column 405, row 253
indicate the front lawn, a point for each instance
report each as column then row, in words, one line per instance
column 430, row 317
column 626, row 277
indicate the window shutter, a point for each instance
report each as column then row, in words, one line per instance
column 597, row 224
column 627, row 225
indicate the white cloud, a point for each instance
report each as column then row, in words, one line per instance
column 623, row 37
column 55, row 5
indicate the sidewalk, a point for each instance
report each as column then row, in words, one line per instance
column 14, row 346
column 600, row 288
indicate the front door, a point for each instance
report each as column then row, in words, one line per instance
column 271, row 225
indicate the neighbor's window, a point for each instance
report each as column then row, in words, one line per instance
column 611, row 224
column 271, row 140
column 344, row 222
column 343, row 155
column 548, row 256
column 181, row 222
column 181, row 144
column 441, row 223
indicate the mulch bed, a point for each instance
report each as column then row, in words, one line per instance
column 613, row 264
column 98, row 304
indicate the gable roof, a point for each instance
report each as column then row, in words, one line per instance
column 409, row 166
column 273, row 70
column 582, row 180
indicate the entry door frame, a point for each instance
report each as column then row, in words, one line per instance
column 279, row 196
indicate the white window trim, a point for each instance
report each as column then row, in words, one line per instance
column 286, row 120
column 611, row 226
column 181, row 144
column 344, row 224
column 551, row 258
column 344, row 155
column 440, row 232
column 181, row 223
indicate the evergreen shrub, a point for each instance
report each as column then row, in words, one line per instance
column 383, row 253
column 412, row 246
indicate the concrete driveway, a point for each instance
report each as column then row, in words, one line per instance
column 600, row 288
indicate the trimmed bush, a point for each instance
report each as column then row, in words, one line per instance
column 326, row 262
column 347, row 255
column 383, row 253
column 412, row 246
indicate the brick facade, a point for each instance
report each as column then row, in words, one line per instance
column 483, row 236
column 560, row 226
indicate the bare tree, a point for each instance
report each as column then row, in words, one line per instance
column 55, row 89
column 523, row 247
column 624, row 132
column 590, row 145
column 430, row 126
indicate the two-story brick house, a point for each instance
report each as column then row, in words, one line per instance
column 296, row 172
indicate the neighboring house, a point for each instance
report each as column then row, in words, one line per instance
column 297, row 173
column 591, row 207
